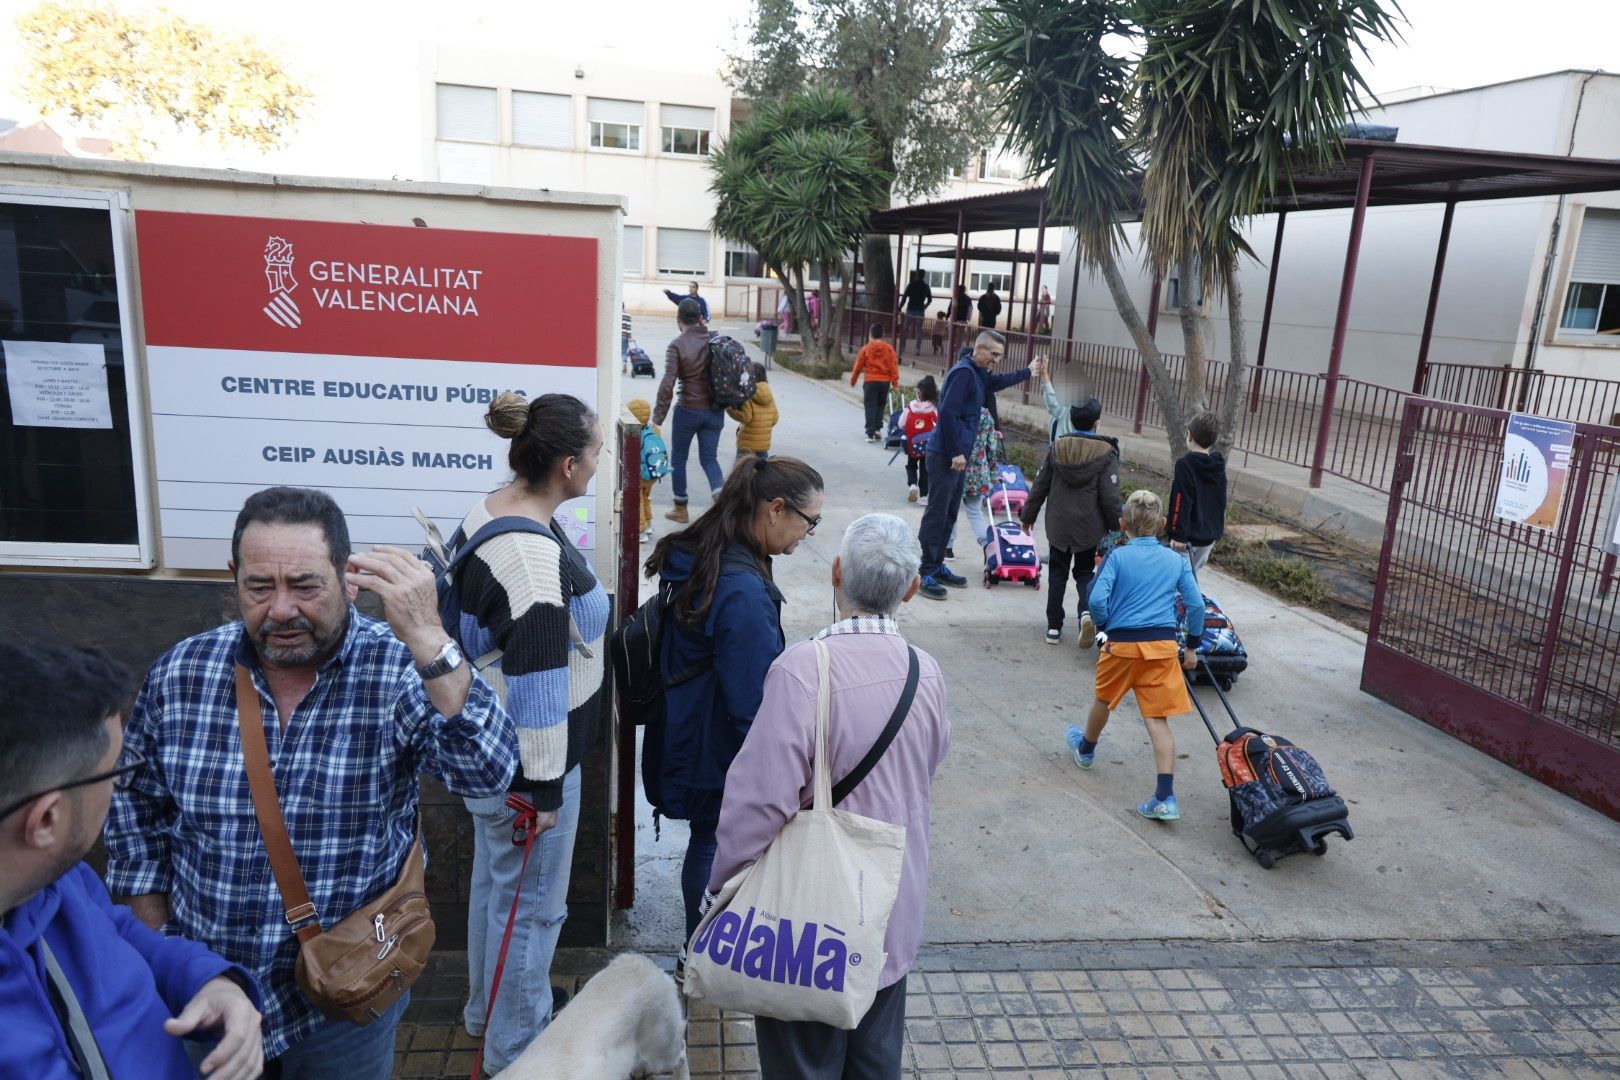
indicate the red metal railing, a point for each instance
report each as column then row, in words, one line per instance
column 1580, row 398
column 628, row 588
column 1504, row 635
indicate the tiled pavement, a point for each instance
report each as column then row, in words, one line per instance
column 1171, row 1011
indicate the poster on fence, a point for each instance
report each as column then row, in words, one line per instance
column 1535, row 465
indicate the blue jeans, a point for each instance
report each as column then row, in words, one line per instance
column 523, row 1008
column 945, row 486
column 706, row 425
column 336, row 1050
column 695, row 869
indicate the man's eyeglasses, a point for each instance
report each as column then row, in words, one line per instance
column 808, row 520
column 121, row 778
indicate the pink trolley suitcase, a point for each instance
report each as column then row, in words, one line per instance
column 1011, row 491
column 1010, row 554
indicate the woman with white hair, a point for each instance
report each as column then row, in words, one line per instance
column 772, row 777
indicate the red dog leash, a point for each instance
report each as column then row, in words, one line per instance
column 525, row 830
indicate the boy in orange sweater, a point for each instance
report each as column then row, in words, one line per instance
column 882, row 366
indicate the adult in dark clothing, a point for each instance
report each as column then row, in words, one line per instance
column 690, row 294
column 1197, row 511
column 726, row 622
column 962, row 305
column 989, row 308
column 1079, row 486
column 917, row 297
column 687, row 361
column 960, row 400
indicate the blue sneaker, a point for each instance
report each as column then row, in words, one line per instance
column 948, row 577
column 932, row 589
column 1085, row 761
column 1160, row 811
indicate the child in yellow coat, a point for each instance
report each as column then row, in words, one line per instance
column 755, row 418
column 642, row 411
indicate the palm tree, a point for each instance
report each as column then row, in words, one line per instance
column 800, row 182
column 1195, row 134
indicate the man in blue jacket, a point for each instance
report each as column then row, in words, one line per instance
column 960, row 399
column 691, row 294
column 86, row 989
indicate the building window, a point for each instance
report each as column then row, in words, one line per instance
column 1000, row 165
column 1172, row 290
column 979, row 281
column 1592, row 305
column 634, row 252
column 686, row 128
column 958, row 171
column 615, row 125
column 939, row 279
column 468, row 113
column 684, row 252
column 743, row 261
column 72, row 434
column 543, row 120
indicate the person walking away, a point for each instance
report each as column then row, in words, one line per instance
column 962, row 305
column 66, row 950
column 961, row 399
column 686, row 362
column 534, row 597
column 1078, row 484
column 916, row 423
column 354, row 710
column 878, row 360
column 755, row 417
column 868, row 663
column 1043, row 313
column 813, row 302
column 690, row 294
column 917, row 297
column 1197, row 516
column 989, row 308
column 722, row 631
column 1134, row 601
column 624, row 339
column 784, row 314
column 642, row 411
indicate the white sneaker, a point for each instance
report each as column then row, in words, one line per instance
column 1088, row 630
column 911, row 493
column 1054, row 636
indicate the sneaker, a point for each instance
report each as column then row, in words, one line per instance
column 1160, row 811
column 1085, row 761
column 1088, row 630
column 1053, row 636
column 947, row 577
column 646, row 536
column 932, row 589
column 911, row 493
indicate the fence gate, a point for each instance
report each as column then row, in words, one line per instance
column 1505, row 636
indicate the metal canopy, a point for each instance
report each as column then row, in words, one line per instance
column 1402, row 174
column 993, row 254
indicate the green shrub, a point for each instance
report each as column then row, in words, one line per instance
column 1024, row 455
column 1289, row 576
column 813, row 369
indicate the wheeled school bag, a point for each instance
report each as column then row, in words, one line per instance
column 1281, row 801
column 1009, row 551
column 1010, row 491
column 1224, row 656
column 641, row 363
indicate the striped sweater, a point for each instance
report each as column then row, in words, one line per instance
column 519, row 593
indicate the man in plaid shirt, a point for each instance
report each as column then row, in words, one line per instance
column 354, row 709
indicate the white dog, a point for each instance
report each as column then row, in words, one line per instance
column 625, row 1022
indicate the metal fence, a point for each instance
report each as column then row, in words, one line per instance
column 1503, row 635
column 1564, row 397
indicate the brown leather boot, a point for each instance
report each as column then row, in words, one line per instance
column 678, row 514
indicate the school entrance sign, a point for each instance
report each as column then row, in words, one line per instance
column 354, row 358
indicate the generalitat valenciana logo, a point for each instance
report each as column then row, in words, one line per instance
column 278, row 275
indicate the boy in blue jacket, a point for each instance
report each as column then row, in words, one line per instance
column 960, row 398
column 1134, row 600
column 86, row 988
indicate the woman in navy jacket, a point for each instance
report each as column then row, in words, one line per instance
column 722, row 634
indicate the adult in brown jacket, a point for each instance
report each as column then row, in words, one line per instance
column 1079, row 485
column 686, row 361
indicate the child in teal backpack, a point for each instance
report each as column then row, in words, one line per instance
column 654, row 460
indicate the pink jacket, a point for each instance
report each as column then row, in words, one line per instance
column 771, row 777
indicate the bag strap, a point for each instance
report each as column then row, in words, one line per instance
column 81, row 1040
column 267, row 808
column 857, row 774
column 820, row 770
column 525, row 831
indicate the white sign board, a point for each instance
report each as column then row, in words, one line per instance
column 58, row 384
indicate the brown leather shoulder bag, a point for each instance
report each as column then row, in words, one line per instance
column 358, row 968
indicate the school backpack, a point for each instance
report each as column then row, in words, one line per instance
column 731, row 373
column 445, row 560
column 654, row 455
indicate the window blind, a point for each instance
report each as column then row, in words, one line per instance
column 614, row 111
column 468, row 112
column 545, row 120
column 633, row 250
column 683, row 251
column 1597, row 256
column 686, row 116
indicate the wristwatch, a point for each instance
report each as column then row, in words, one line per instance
column 448, row 659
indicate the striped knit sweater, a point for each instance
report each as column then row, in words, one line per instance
column 518, row 593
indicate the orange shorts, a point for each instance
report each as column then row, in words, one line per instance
column 1151, row 668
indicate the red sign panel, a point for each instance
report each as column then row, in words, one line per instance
column 221, row 282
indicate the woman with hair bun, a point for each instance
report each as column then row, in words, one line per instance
column 724, row 631
column 534, row 597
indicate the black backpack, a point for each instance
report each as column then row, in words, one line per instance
column 731, row 373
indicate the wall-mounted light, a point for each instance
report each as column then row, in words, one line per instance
column 579, row 73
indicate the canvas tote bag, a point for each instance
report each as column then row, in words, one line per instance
column 799, row 934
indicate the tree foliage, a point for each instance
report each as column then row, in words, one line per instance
column 799, row 181
column 1193, row 134
column 142, row 78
